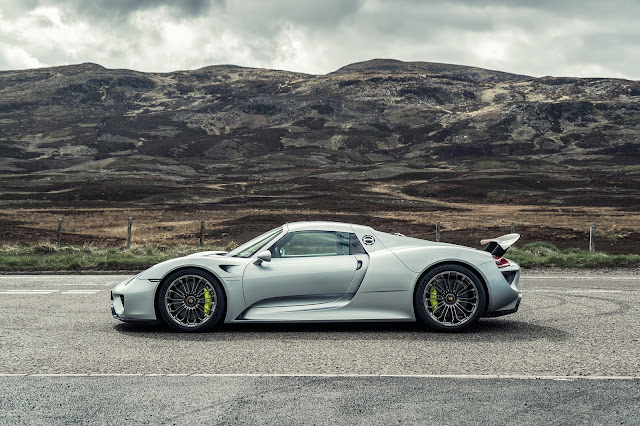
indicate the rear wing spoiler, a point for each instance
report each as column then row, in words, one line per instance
column 499, row 246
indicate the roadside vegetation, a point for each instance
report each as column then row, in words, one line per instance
column 49, row 257
column 538, row 254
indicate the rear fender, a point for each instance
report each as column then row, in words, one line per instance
column 423, row 258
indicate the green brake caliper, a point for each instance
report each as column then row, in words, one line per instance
column 207, row 301
column 433, row 298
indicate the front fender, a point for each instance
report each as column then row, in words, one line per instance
column 228, row 271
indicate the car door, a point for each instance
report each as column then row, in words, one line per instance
column 306, row 267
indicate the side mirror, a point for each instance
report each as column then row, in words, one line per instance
column 263, row 256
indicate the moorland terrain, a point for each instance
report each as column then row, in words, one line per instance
column 398, row 145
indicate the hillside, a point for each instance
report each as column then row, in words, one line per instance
column 380, row 135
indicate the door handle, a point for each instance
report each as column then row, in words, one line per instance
column 359, row 265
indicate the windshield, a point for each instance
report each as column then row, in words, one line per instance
column 249, row 248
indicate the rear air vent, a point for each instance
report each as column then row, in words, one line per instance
column 509, row 276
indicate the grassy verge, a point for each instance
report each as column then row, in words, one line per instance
column 544, row 254
column 49, row 257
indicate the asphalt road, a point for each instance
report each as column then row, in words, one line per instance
column 524, row 367
column 316, row 400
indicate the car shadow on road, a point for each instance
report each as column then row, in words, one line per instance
column 486, row 330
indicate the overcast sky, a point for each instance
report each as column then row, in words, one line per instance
column 585, row 38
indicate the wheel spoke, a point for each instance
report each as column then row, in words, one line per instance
column 178, row 292
column 447, row 282
column 443, row 313
column 455, row 314
column 199, row 313
column 449, row 315
column 177, row 311
column 465, row 310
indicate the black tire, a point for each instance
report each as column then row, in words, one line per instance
column 449, row 298
column 191, row 300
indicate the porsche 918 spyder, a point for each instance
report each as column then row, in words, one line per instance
column 323, row 272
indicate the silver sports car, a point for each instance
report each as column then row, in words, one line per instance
column 326, row 271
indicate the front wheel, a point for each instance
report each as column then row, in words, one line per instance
column 191, row 300
column 450, row 298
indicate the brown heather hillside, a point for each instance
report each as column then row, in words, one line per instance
column 391, row 143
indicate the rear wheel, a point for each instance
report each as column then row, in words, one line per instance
column 191, row 300
column 450, row 298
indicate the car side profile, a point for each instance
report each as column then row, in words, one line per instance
column 326, row 272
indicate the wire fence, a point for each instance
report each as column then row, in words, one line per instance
column 438, row 233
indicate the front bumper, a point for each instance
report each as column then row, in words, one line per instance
column 133, row 300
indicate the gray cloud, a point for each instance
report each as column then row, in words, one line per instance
column 107, row 9
column 546, row 37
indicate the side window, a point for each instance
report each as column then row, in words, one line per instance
column 312, row 243
column 354, row 245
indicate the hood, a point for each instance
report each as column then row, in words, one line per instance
column 208, row 253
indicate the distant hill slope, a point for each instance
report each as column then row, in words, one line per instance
column 84, row 133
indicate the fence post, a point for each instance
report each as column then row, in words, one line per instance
column 202, row 232
column 592, row 237
column 437, row 231
column 59, row 233
column 129, row 233
column 513, row 227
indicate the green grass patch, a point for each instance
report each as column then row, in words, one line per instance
column 539, row 253
column 49, row 257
